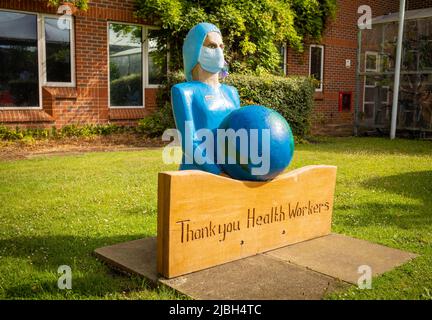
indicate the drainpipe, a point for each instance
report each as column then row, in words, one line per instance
column 397, row 70
column 358, row 80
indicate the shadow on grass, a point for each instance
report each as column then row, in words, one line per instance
column 373, row 146
column 417, row 185
column 91, row 277
column 414, row 185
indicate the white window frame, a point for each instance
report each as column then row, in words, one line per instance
column 285, row 55
column 377, row 56
column 370, row 86
column 321, row 87
column 45, row 82
column 145, row 63
column 40, row 33
column 365, row 85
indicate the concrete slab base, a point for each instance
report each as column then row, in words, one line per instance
column 306, row 270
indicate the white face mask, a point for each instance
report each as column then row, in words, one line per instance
column 211, row 59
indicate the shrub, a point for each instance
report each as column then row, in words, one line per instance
column 155, row 124
column 292, row 97
column 66, row 131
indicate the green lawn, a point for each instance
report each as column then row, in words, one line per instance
column 56, row 210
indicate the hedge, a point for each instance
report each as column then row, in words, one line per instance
column 292, row 97
column 69, row 131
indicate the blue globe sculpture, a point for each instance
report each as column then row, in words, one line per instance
column 281, row 143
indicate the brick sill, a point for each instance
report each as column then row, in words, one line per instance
column 16, row 116
column 60, row 93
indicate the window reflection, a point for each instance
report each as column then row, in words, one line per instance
column 19, row 76
column 316, row 64
column 58, row 51
column 157, row 59
column 125, row 50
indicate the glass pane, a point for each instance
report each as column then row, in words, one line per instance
column 282, row 64
column 371, row 62
column 389, row 47
column 370, row 81
column 369, row 94
column 58, row 51
column 157, row 59
column 384, row 95
column 368, row 110
column 315, row 67
column 19, row 75
column 125, row 51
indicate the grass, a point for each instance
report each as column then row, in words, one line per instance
column 56, row 210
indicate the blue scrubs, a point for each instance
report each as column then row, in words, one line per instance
column 205, row 107
column 199, row 103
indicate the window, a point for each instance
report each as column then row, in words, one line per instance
column 19, row 68
column 345, row 99
column 157, row 59
column 134, row 63
column 35, row 50
column 283, row 55
column 376, row 94
column 126, row 65
column 316, row 64
column 372, row 62
column 58, row 62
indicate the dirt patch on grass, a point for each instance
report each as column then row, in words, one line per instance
column 13, row 150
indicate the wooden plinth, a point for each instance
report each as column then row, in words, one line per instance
column 206, row 220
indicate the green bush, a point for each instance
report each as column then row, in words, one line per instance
column 292, row 97
column 66, row 131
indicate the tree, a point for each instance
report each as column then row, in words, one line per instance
column 253, row 30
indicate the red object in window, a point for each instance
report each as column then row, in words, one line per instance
column 345, row 101
column 6, row 99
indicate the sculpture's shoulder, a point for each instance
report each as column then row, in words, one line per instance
column 183, row 88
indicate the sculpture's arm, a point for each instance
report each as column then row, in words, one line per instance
column 181, row 101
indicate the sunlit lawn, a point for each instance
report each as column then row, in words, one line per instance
column 56, row 210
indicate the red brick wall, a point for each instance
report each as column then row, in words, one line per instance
column 88, row 102
column 340, row 43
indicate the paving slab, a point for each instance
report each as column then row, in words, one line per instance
column 258, row 277
column 340, row 256
column 306, row 270
column 136, row 257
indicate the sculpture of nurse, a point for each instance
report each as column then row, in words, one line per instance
column 202, row 102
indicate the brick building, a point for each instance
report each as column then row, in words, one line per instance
column 338, row 51
column 103, row 50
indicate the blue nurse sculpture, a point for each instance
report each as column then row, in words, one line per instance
column 203, row 103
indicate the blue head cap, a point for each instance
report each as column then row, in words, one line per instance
column 192, row 45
